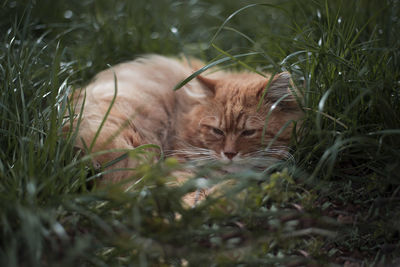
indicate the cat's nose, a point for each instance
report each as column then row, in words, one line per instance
column 230, row 154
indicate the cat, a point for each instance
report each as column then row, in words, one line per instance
column 214, row 117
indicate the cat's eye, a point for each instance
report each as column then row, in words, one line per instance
column 248, row 132
column 217, row 131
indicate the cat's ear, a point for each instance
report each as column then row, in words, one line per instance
column 281, row 89
column 209, row 84
column 279, row 86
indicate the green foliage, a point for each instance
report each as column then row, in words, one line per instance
column 337, row 201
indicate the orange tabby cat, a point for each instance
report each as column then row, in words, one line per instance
column 212, row 118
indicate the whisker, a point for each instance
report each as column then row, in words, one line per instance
column 195, row 154
column 280, row 152
column 261, row 158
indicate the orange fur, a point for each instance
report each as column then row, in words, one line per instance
column 213, row 117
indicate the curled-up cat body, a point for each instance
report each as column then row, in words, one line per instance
column 213, row 117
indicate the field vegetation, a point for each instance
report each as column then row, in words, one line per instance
column 337, row 202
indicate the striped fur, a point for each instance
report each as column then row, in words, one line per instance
column 212, row 118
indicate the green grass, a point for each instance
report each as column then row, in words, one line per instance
column 339, row 200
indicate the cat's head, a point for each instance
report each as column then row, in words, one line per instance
column 236, row 121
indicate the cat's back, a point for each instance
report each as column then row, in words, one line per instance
column 145, row 79
column 143, row 88
column 144, row 97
